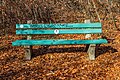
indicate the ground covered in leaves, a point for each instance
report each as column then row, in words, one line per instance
column 68, row 62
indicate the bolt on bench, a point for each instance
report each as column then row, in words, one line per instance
column 70, row 28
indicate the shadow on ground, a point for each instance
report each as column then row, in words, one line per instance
column 47, row 50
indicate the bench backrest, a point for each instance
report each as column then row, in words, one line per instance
column 71, row 28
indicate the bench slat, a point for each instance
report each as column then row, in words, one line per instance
column 56, row 42
column 64, row 31
column 70, row 25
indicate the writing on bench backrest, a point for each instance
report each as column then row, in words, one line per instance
column 71, row 28
column 70, row 25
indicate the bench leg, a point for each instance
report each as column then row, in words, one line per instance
column 91, row 51
column 28, row 52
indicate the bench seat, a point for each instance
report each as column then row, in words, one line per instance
column 57, row 42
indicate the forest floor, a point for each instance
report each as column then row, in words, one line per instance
column 68, row 62
column 65, row 62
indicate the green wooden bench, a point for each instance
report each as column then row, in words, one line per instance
column 71, row 28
